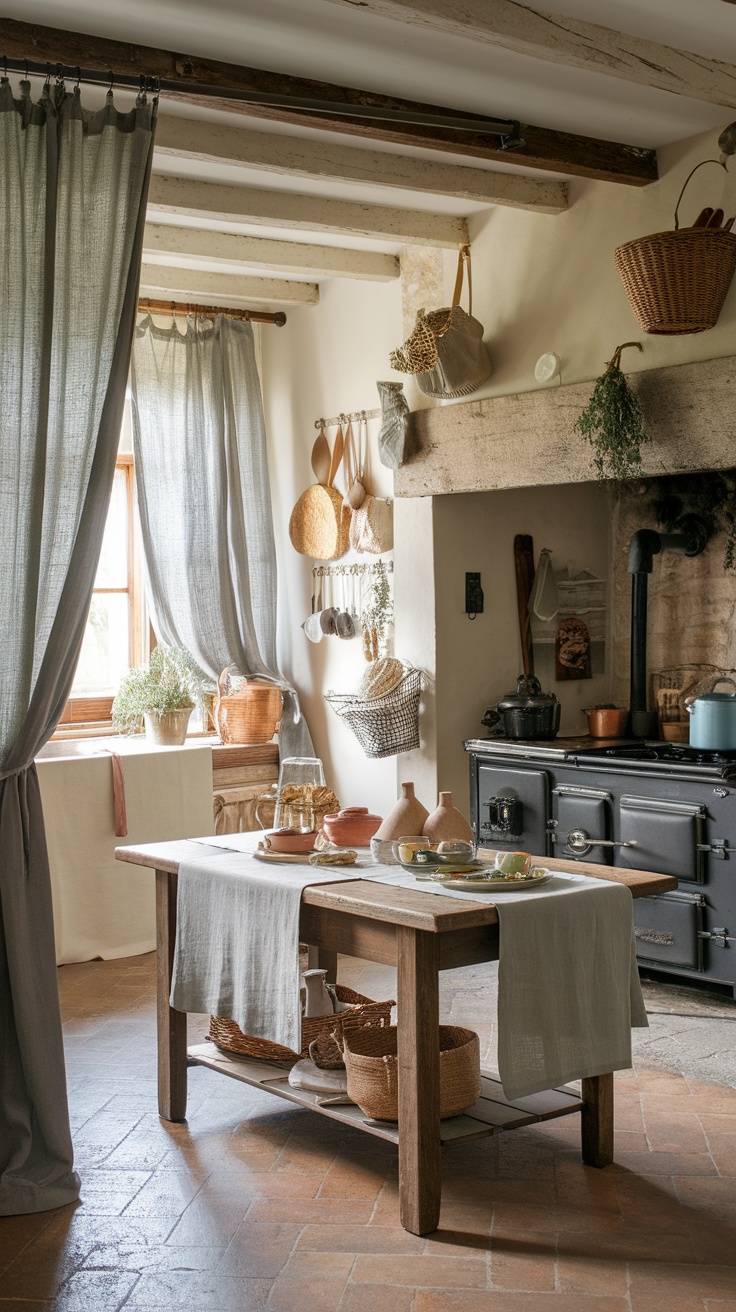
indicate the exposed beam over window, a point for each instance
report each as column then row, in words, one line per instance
column 289, row 209
column 559, row 152
column 201, row 285
column 169, row 241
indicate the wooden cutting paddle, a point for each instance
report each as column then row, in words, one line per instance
column 703, row 218
column 524, row 564
column 715, row 220
column 321, row 459
column 337, row 454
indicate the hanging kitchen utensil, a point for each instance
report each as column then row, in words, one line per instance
column 320, row 524
column 544, row 601
column 524, row 565
column 355, row 490
column 446, row 351
column 321, row 457
column 572, row 649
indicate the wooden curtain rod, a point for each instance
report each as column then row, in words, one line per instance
column 149, row 306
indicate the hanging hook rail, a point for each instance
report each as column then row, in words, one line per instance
column 353, row 417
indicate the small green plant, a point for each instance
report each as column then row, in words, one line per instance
column 377, row 613
column 613, row 423
column 170, row 682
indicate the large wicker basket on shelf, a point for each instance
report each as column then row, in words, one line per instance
column 226, row 1034
column 677, row 281
column 371, row 1060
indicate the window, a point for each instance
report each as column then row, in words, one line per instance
column 115, row 634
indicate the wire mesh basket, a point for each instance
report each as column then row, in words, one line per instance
column 387, row 725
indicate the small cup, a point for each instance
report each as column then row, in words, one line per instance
column 514, row 863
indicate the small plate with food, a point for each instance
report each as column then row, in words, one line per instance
column 491, row 880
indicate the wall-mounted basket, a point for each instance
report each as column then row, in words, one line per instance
column 386, row 725
column 677, row 281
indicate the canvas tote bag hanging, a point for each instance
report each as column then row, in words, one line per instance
column 446, row 351
column 320, row 524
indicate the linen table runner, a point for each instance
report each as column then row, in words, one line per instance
column 237, row 939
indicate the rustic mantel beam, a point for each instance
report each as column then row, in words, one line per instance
column 528, row 439
column 559, row 39
column 558, row 152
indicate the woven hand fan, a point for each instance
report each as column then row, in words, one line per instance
column 320, row 525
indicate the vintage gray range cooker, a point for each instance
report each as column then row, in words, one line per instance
column 649, row 806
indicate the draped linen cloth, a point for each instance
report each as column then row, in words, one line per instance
column 73, row 186
column 205, row 501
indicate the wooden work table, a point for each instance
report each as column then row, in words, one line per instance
column 420, row 934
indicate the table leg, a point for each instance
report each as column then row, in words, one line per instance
column 171, row 1025
column 323, row 959
column 420, row 1179
column 597, row 1120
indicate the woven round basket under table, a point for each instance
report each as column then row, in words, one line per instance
column 677, row 281
column 320, row 524
column 226, row 1034
column 371, row 1060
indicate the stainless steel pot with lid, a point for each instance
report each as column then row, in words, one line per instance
column 526, row 713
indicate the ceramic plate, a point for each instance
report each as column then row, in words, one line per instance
column 539, row 876
column 429, row 867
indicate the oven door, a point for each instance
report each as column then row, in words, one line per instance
column 512, row 809
column 582, row 811
column 666, row 837
column 668, row 929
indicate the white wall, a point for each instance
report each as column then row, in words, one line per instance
column 325, row 360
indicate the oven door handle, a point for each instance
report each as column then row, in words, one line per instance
column 580, row 841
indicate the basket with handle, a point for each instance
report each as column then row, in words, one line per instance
column 677, row 281
column 363, row 1011
column 386, row 725
column 250, row 714
column 372, row 1064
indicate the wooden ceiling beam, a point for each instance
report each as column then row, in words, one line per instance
column 192, row 139
column 165, row 239
column 293, row 211
column 201, row 285
column 558, row 152
column 559, row 39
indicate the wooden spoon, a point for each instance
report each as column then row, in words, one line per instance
column 715, row 220
column 703, row 217
column 337, row 454
column 729, row 223
column 321, row 459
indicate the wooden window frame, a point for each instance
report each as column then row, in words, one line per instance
column 91, row 715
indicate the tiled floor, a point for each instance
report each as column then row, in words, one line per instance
column 255, row 1204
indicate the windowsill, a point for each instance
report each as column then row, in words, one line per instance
column 83, row 741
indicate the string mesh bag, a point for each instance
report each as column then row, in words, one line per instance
column 385, row 725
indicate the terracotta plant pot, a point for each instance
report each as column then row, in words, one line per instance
column 447, row 822
column 353, row 827
column 169, row 730
column 407, row 816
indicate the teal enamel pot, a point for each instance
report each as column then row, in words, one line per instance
column 713, row 719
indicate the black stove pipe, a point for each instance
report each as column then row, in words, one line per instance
column 645, row 544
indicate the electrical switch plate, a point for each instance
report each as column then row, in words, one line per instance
column 473, row 595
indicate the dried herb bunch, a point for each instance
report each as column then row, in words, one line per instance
column 613, row 423
column 710, row 495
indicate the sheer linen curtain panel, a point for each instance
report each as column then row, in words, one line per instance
column 73, row 186
column 204, row 498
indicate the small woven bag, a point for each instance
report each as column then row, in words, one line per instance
column 446, row 351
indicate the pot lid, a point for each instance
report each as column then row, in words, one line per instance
column 528, row 696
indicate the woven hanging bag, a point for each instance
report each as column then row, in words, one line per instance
column 320, row 524
column 446, row 351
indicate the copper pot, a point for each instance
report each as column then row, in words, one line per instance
column 607, row 722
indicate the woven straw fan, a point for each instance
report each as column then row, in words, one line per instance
column 320, row 525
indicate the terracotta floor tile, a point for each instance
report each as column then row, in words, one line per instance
column 666, row 1302
column 347, row 1180
column 717, row 1122
column 259, row 1249
column 18, row 1231
column 151, row 1257
column 680, row 1279
column 464, row 1239
column 591, row 1275
column 519, row 1271
column 422, row 1272
column 358, row 1239
column 198, row 1291
column 317, row 1211
column 23, row 1305
column 311, row 1282
column 723, row 1151
column 674, row 1132
column 712, row 1240
column 209, row 1220
column 460, row 1300
column 717, row 1196
column 376, row 1298
column 89, row 1291
column 666, row 1163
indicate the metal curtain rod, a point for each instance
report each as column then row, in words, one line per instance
column 509, row 130
column 148, row 305
column 353, row 417
column 326, row 571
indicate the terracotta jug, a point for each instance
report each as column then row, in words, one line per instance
column 407, row 816
column 447, row 823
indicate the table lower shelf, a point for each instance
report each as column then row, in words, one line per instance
column 492, row 1113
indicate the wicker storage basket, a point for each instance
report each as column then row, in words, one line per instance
column 373, row 1070
column 387, row 725
column 250, row 715
column 226, row 1034
column 677, row 281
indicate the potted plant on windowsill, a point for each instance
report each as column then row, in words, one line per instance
column 160, row 697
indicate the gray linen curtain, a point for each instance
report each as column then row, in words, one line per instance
column 205, row 503
column 73, row 185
